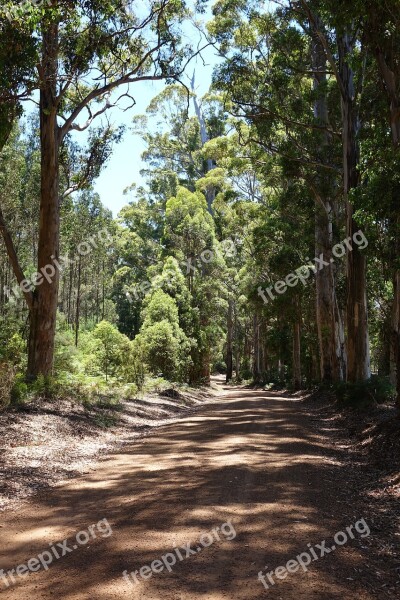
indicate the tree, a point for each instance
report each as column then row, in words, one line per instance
column 165, row 346
column 283, row 50
column 83, row 54
column 176, row 152
column 189, row 236
column 382, row 37
column 113, row 348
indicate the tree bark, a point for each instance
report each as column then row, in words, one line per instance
column 297, row 355
column 358, row 353
column 237, row 346
column 209, row 166
column 78, row 301
column 327, row 317
column 391, row 80
column 229, row 343
column 396, row 332
column 12, row 255
column 70, row 289
column 256, row 349
column 44, row 310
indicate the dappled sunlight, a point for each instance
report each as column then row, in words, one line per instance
column 243, row 460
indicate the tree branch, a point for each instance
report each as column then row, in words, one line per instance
column 126, row 79
column 314, row 24
column 12, row 255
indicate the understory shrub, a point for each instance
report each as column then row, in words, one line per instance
column 7, row 377
column 376, row 390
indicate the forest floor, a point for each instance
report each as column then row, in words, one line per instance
column 44, row 443
column 279, row 468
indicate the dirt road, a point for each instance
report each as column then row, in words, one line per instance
column 249, row 458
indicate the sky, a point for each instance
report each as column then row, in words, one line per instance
column 123, row 168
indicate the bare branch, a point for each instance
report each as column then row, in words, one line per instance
column 91, row 118
column 131, row 77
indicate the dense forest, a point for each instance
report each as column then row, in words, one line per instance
column 263, row 239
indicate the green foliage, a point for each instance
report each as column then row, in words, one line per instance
column 219, row 366
column 161, row 348
column 11, row 343
column 134, row 369
column 112, row 350
column 377, row 390
column 160, row 307
column 253, row 161
column 43, row 388
column 19, row 393
column 15, row 350
column 66, row 354
column 7, row 377
column 189, row 228
column 164, row 345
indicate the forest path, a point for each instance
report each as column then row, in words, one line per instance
column 247, row 456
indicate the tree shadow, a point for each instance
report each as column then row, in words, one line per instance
column 250, row 458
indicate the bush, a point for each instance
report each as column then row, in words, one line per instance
column 160, row 348
column 160, row 307
column 89, row 349
column 65, row 352
column 164, row 346
column 20, row 391
column 376, row 390
column 10, row 339
column 12, row 345
column 219, row 367
column 137, row 366
column 277, row 377
column 43, row 388
column 7, row 377
column 113, row 349
column 16, row 350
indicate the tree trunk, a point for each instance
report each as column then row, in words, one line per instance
column 256, row 349
column 70, row 288
column 103, row 289
column 396, row 333
column 209, row 165
column 325, row 299
column 205, row 375
column 97, row 298
column 229, row 343
column 391, row 78
column 326, row 314
column 13, row 258
column 44, row 310
column 78, row 301
column 358, row 354
column 237, row 346
column 264, row 350
column 340, row 341
column 297, row 355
